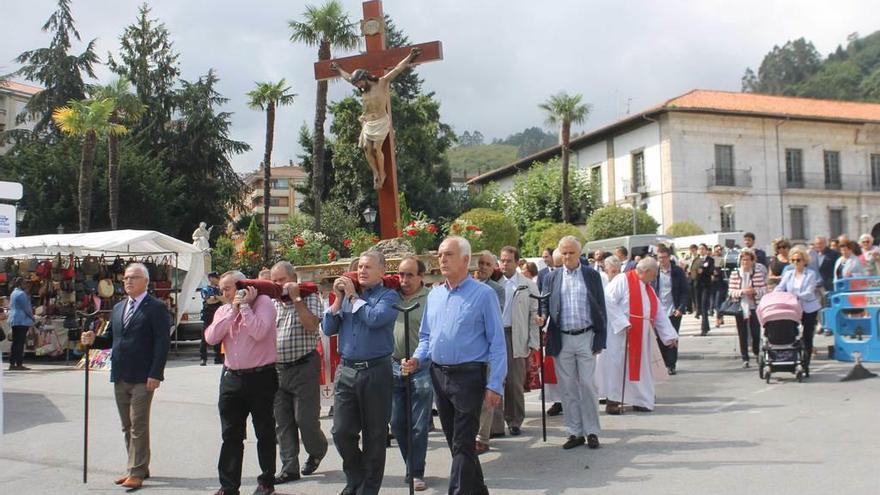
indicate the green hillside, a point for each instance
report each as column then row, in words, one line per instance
column 480, row 158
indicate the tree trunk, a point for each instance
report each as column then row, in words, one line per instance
column 113, row 179
column 267, row 176
column 318, row 148
column 87, row 163
column 566, row 199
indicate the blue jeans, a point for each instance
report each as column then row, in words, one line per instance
column 422, row 398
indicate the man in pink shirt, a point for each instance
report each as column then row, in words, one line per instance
column 245, row 324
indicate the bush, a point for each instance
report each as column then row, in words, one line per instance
column 496, row 230
column 223, row 257
column 551, row 235
column 616, row 221
column 684, row 228
column 336, row 222
column 253, row 240
column 531, row 240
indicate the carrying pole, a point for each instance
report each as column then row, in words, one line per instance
column 541, row 299
column 86, row 356
column 408, row 402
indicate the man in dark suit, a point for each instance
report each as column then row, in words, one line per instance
column 749, row 242
column 671, row 286
column 547, row 255
column 623, row 255
column 139, row 333
column 575, row 335
column 822, row 259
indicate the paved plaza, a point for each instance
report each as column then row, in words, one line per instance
column 717, row 429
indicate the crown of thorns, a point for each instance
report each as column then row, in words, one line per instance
column 362, row 74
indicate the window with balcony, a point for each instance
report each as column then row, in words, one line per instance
column 724, row 165
column 832, row 170
column 794, row 168
column 836, row 221
column 875, row 172
column 279, row 202
column 638, row 172
column 279, row 183
column 797, row 217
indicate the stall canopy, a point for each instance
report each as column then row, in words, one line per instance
column 136, row 242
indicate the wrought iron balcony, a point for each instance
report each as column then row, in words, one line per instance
column 737, row 177
column 819, row 181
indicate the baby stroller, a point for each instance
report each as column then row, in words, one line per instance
column 781, row 348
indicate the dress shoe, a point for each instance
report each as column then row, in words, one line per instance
column 613, row 408
column 286, row 477
column 671, row 370
column 311, row 465
column 347, row 491
column 419, row 485
column 121, row 480
column 573, row 442
column 603, row 401
column 592, row 441
column 264, row 489
column 515, row 431
column 641, row 409
column 481, row 448
column 555, row 409
column 133, row 483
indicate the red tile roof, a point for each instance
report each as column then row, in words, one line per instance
column 21, row 88
column 782, row 106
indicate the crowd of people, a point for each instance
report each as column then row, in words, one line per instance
column 463, row 350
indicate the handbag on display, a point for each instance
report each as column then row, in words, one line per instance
column 90, row 266
column 56, row 268
column 161, row 270
column 105, row 288
column 118, row 266
column 150, row 263
column 68, row 271
column 44, row 269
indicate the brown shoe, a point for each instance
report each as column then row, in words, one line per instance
column 133, row 482
column 481, row 448
column 612, row 407
column 121, row 480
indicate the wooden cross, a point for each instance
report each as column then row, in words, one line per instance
column 377, row 60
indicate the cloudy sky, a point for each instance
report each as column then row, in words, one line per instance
column 501, row 57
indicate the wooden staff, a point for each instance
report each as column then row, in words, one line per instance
column 86, row 352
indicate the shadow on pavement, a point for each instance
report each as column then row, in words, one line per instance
column 22, row 411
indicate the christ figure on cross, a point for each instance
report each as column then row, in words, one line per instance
column 375, row 121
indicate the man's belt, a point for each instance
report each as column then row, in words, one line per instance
column 508, row 329
column 296, row 362
column 249, row 371
column 452, row 368
column 362, row 365
column 576, row 332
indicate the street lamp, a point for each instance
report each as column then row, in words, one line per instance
column 370, row 216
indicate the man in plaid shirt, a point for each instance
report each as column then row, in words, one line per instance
column 298, row 399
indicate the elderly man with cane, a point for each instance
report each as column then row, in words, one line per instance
column 462, row 335
column 140, row 334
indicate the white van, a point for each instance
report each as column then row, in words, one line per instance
column 636, row 245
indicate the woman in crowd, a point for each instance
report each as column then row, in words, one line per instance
column 803, row 282
column 778, row 262
column 848, row 264
column 747, row 285
column 870, row 256
column 21, row 318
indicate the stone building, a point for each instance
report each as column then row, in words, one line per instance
column 284, row 200
column 729, row 161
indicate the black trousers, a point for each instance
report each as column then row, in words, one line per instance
column 241, row 395
column 705, row 294
column 459, row 395
column 746, row 329
column 670, row 354
column 16, row 353
column 207, row 319
column 808, row 325
column 362, row 406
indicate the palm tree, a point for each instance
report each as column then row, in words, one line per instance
column 267, row 96
column 327, row 26
column 88, row 119
column 564, row 110
column 127, row 109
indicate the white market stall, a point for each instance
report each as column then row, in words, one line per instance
column 119, row 242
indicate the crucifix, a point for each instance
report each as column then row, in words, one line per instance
column 371, row 72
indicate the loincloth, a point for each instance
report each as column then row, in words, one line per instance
column 374, row 130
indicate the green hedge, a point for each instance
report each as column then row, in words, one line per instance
column 497, row 230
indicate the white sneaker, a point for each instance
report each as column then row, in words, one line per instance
column 419, row 485
column 745, row 364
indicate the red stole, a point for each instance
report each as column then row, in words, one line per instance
column 636, row 320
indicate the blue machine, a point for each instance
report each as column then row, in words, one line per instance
column 854, row 317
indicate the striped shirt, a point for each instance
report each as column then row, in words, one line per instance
column 293, row 340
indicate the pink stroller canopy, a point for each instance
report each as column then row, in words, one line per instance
column 778, row 306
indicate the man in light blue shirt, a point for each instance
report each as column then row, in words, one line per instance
column 461, row 333
column 21, row 318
